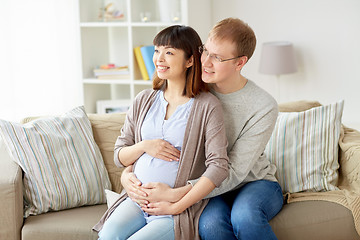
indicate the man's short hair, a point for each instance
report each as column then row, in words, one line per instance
column 238, row 32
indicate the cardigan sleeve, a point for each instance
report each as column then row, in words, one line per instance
column 215, row 145
column 127, row 137
column 130, row 131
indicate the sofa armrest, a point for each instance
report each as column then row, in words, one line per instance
column 11, row 197
column 349, row 159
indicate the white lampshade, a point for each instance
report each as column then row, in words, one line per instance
column 277, row 58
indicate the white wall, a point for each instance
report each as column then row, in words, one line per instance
column 39, row 58
column 39, row 51
column 200, row 17
column 326, row 36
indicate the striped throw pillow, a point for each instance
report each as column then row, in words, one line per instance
column 63, row 167
column 304, row 148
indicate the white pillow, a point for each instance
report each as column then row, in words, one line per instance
column 304, row 148
column 63, row 167
column 111, row 197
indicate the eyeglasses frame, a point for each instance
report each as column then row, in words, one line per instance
column 218, row 59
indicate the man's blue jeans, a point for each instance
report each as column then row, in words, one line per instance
column 243, row 213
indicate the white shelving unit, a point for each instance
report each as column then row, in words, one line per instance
column 104, row 42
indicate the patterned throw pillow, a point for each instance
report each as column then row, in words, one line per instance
column 63, row 167
column 304, row 148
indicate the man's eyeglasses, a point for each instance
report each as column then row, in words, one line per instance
column 203, row 50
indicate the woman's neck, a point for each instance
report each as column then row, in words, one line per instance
column 173, row 94
column 174, row 91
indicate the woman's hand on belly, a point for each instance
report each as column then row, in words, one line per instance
column 132, row 186
column 161, row 149
column 157, row 192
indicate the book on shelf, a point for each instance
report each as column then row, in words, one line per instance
column 110, row 73
column 147, row 53
column 111, row 69
column 141, row 63
column 105, row 77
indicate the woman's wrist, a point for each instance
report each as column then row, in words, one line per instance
column 143, row 145
column 178, row 208
column 140, row 145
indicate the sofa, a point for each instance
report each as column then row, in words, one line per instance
column 309, row 219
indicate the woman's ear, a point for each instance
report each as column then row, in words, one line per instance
column 241, row 62
column 190, row 61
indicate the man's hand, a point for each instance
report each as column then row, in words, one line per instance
column 161, row 149
column 132, row 186
column 157, row 192
column 162, row 208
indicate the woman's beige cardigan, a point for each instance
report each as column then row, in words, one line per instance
column 203, row 152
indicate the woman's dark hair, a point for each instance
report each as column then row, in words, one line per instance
column 186, row 39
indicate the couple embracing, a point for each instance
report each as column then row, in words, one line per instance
column 193, row 145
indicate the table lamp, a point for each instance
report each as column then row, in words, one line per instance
column 277, row 58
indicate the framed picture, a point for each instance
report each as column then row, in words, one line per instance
column 112, row 106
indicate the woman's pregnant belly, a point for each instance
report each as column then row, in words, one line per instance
column 149, row 169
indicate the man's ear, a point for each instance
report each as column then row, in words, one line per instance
column 190, row 62
column 241, row 62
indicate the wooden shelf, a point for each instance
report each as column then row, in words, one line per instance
column 116, row 81
column 104, row 24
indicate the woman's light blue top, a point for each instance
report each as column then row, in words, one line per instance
column 151, row 169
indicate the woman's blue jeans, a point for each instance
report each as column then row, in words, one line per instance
column 128, row 222
column 243, row 213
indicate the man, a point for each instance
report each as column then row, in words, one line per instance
column 245, row 202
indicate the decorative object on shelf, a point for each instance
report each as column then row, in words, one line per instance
column 278, row 58
column 112, row 11
column 112, row 106
column 111, row 71
column 169, row 10
column 175, row 17
column 147, row 53
column 141, row 63
column 145, row 16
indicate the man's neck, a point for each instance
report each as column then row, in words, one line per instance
column 230, row 86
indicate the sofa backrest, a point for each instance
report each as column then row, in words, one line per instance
column 298, row 106
column 106, row 128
